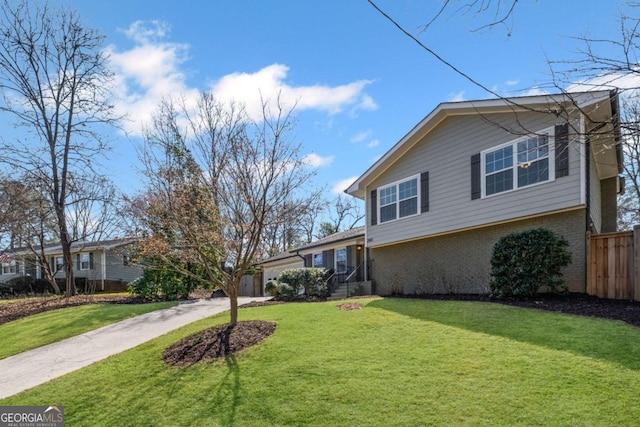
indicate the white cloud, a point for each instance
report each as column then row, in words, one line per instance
column 269, row 84
column 456, row 97
column 147, row 73
column 340, row 186
column 317, row 161
column 373, row 143
column 361, row 136
column 628, row 81
column 534, row 91
column 512, row 82
column 153, row 69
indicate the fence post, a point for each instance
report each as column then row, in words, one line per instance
column 636, row 263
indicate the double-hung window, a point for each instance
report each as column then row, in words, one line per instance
column 518, row 164
column 317, row 260
column 399, row 200
column 341, row 260
column 85, row 261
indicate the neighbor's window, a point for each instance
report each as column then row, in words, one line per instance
column 85, row 261
column 341, row 260
column 317, row 260
column 14, row 267
column 399, row 200
column 59, row 263
column 6, row 268
column 518, row 164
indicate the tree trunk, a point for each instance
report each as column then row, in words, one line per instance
column 233, row 302
column 68, row 264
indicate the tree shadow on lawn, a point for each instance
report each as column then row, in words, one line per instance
column 594, row 338
column 221, row 397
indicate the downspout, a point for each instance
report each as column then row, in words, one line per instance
column 304, row 260
column 104, row 267
column 587, row 156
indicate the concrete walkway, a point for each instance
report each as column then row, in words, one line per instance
column 37, row 366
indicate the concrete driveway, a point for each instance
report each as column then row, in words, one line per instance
column 37, row 366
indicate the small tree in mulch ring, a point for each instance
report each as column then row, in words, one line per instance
column 218, row 341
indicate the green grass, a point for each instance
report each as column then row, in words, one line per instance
column 51, row 326
column 397, row 362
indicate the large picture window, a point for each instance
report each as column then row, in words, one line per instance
column 518, row 164
column 399, row 200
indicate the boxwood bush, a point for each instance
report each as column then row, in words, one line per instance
column 525, row 262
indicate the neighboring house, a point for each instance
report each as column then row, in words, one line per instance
column 342, row 252
column 471, row 172
column 104, row 264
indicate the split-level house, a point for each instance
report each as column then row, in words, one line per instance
column 471, row 172
column 105, row 265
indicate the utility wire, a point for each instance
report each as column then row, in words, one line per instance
column 433, row 53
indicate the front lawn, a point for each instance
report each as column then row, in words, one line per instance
column 395, row 362
column 45, row 328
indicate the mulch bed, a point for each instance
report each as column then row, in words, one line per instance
column 349, row 306
column 219, row 341
column 572, row 303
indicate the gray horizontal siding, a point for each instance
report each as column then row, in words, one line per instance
column 116, row 270
column 445, row 153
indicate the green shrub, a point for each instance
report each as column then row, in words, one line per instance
column 527, row 261
column 272, row 288
column 166, row 283
column 307, row 281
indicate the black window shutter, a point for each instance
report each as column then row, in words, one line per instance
column 91, row 261
column 374, row 207
column 476, row 189
column 308, row 260
column 562, row 150
column 78, row 262
column 424, row 192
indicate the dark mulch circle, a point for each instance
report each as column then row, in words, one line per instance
column 349, row 306
column 217, row 342
column 261, row 303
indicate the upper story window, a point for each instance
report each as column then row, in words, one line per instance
column 518, row 164
column 399, row 200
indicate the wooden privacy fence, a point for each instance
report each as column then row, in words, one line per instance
column 613, row 265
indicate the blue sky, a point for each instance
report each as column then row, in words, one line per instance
column 359, row 83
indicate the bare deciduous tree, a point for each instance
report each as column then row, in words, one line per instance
column 54, row 80
column 629, row 201
column 216, row 181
